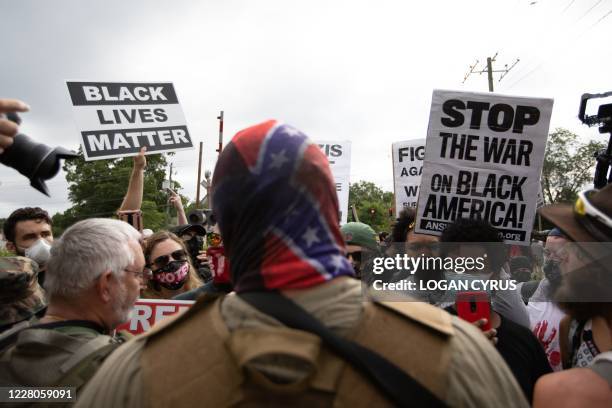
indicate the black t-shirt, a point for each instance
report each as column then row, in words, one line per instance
column 522, row 352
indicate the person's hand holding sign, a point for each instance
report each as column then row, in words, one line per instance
column 8, row 129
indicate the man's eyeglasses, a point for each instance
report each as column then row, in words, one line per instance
column 144, row 275
column 161, row 261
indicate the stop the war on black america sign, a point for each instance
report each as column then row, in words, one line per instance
column 483, row 159
column 116, row 119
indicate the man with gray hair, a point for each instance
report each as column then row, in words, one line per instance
column 94, row 276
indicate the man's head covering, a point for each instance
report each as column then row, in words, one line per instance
column 358, row 233
column 21, row 297
column 580, row 221
column 277, row 209
column 555, row 232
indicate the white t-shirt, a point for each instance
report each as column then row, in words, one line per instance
column 544, row 317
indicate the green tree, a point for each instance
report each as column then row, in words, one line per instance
column 96, row 189
column 372, row 204
column 568, row 166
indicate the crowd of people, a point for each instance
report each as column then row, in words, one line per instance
column 284, row 314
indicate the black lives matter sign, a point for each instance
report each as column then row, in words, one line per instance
column 117, row 119
column 483, row 159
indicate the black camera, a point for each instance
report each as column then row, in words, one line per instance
column 603, row 119
column 36, row 161
column 202, row 217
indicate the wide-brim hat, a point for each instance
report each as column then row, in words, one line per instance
column 579, row 221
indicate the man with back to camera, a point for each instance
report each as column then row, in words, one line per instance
column 94, row 277
column 289, row 250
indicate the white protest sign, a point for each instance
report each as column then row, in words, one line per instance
column 148, row 312
column 483, row 159
column 339, row 157
column 115, row 119
column 407, row 167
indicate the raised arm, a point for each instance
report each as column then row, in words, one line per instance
column 133, row 197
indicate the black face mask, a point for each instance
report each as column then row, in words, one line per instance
column 552, row 271
column 172, row 276
column 194, row 246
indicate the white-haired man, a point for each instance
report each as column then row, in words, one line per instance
column 94, row 276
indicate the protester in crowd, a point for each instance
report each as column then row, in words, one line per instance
column 22, row 300
column 400, row 228
column 418, row 245
column 544, row 315
column 193, row 235
column 361, row 245
column 28, row 232
column 218, row 266
column 287, row 253
column 8, row 128
column 521, row 271
column 94, row 274
column 172, row 270
column 520, row 349
column 585, row 294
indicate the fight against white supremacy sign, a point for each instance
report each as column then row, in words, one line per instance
column 339, row 157
column 407, row 168
column 116, row 119
column 483, row 159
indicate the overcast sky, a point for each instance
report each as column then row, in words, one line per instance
column 338, row 70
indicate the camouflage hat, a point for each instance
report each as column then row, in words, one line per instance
column 20, row 294
column 358, row 233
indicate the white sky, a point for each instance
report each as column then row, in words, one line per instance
column 338, row 70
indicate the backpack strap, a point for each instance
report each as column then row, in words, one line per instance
column 391, row 381
column 85, row 362
column 602, row 365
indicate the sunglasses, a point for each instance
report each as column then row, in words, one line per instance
column 213, row 239
column 161, row 261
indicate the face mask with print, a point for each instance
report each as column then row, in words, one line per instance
column 39, row 252
column 172, row 276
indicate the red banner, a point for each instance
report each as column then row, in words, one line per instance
column 147, row 312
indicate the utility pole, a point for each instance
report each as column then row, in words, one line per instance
column 489, row 70
column 220, row 117
column 199, row 177
column 168, row 205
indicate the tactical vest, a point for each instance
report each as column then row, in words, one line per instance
column 196, row 361
column 53, row 354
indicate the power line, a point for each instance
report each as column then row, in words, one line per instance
column 550, row 53
column 568, row 6
column 489, row 70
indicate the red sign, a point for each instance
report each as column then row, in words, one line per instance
column 147, row 312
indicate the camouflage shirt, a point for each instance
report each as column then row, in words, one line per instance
column 21, row 297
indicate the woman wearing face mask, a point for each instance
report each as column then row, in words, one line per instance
column 172, row 270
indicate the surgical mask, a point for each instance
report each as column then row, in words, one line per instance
column 172, row 276
column 39, row 252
